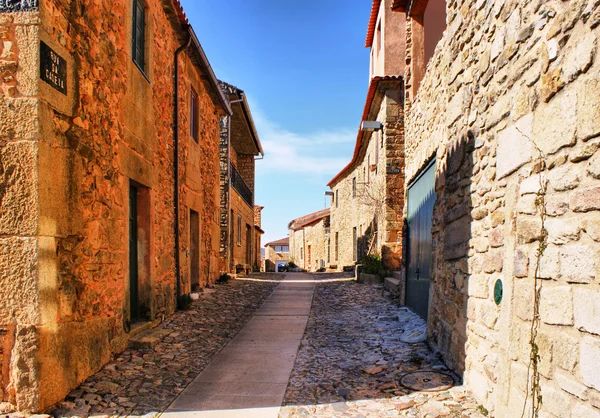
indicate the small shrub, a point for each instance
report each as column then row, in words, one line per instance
column 184, row 302
column 291, row 265
column 372, row 264
column 483, row 410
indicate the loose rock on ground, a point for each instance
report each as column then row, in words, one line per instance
column 355, row 352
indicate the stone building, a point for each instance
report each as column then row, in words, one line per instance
column 367, row 196
column 276, row 253
column 503, row 196
column 239, row 146
column 258, row 233
column 109, row 184
column 309, row 241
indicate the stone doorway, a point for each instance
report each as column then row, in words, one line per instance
column 194, row 250
column 140, row 288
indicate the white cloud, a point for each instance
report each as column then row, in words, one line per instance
column 318, row 153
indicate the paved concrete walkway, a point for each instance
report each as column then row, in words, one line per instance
column 248, row 378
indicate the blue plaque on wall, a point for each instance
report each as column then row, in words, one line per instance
column 7, row 6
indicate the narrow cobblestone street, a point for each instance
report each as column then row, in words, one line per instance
column 354, row 360
column 357, row 347
column 145, row 381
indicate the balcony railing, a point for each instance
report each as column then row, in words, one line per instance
column 240, row 185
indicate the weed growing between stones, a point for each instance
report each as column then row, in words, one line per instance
column 533, row 389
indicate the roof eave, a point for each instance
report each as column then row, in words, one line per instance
column 372, row 22
column 210, row 73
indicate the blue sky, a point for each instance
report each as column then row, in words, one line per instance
column 304, row 69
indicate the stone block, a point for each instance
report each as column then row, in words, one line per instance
column 18, row 188
column 521, row 264
column 532, row 184
column 20, row 118
column 554, row 123
column 556, row 305
column 478, row 286
column 568, row 383
column 587, row 310
column 526, row 204
column 562, row 231
column 585, row 200
column 577, row 264
column 529, row 229
column 556, row 205
column 565, row 350
column 514, row 147
column 585, row 152
column 564, row 178
column 591, row 225
column 549, row 263
column 584, row 411
column 497, row 218
column 493, row 261
column 581, row 50
column 523, row 302
column 496, row 237
column 593, row 166
column 555, row 400
column 19, row 296
column 589, row 363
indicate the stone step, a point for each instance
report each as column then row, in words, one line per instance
column 392, row 284
column 397, row 274
column 148, row 338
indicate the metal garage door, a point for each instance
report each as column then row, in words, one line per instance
column 421, row 198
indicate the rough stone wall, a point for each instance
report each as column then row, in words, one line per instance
column 271, row 256
column 245, row 165
column 509, row 106
column 315, row 237
column 240, row 207
column 200, row 167
column 67, row 163
column 19, row 208
column 376, row 210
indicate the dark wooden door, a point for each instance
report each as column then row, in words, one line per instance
column 421, row 198
column 249, row 246
column 134, row 305
column 194, row 250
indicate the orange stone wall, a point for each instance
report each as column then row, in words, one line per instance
column 66, row 167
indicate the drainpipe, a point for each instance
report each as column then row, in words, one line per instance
column 176, row 162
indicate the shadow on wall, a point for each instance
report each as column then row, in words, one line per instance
column 451, row 234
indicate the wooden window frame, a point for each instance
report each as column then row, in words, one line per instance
column 138, row 35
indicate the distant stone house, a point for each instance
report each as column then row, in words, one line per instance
column 109, row 179
column 258, row 233
column 309, row 241
column 239, row 146
column 503, row 197
column 367, row 196
column 276, row 253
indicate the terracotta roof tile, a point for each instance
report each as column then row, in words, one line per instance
column 283, row 241
column 305, row 220
column 369, row 101
column 372, row 22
